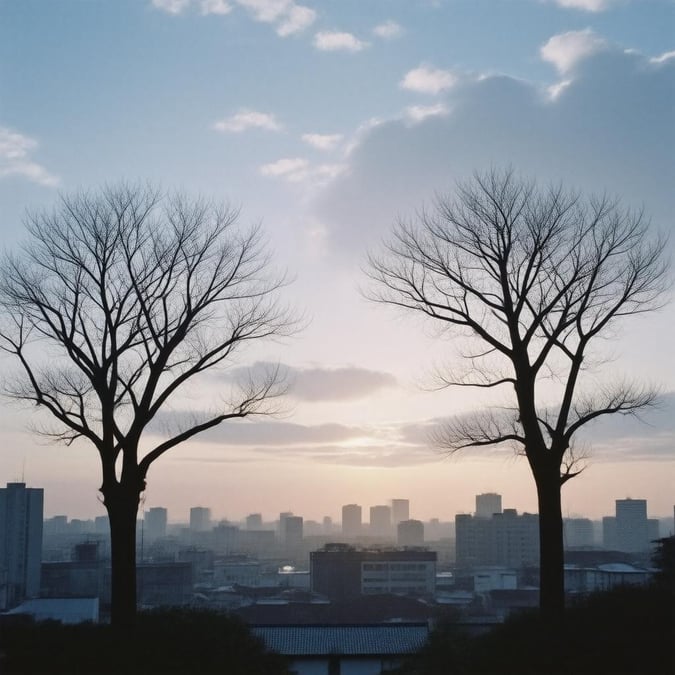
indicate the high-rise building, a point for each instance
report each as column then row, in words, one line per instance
column 578, row 532
column 632, row 529
column 292, row 531
column 380, row 521
column 254, row 521
column 488, row 504
column 20, row 543
column 410, row 533
column 155, row 523
column 351, row 520
column 400, row 510
column 200, row 519
column 505, row 539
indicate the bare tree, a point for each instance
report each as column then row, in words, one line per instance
column 535, row 276
column 118, row 299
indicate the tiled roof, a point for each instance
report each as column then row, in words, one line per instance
column 383, row 639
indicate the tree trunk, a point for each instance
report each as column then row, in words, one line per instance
column 122, row 505
column 551, row 555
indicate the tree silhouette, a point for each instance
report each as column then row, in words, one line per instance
column 118, row 299
column 536, row 277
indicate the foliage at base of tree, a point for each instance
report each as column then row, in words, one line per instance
column 164, row 641
column 627, row 631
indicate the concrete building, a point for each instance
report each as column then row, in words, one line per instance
column 200, row 519
column 410, row 533
column 578, row 532
column 380, row 521
column 254, row 521
column 292, row 532
column 506, row 539
column 351, row 520
column 629, row 529
column 20, row 543
column 155, row 523
column 339, row 571
column 488, row 504
column 400, row 511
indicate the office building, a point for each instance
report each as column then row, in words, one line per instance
column 632, row 528
column 380, row 521
column 400, row 510
column 154, row 526
column 578, row 532
column 200, row 519
column 20, row 543
column 488, row 504
column 351, row 520
column 506, row 539
column 340, row 571
column 410, row 533
column 292, row 531
column 254, row 521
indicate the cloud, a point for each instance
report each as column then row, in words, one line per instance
column 247, row 119
column 293, row 169
column 15, row 160
column 566, row 50
column 323, row 141
column 171, row 6
column 288, row 16
column 608, row 129
column 428, row 80
column 220, row 7
column 586, row 5
column 666, row 56
column 298, row 169
column 331, row 41
column 417, row 113
column 388, row 30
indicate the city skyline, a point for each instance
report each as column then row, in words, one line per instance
column 327, row 122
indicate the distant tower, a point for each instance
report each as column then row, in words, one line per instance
column 292, row 531
column 632, row 528
column 327, row 525
column 200, row 519
column 155, row 523
column 400, row 510
column 351, row 520
column 254, row 521
column 488, row 504
column 20, row 543
column 410, row 533
column 380, row 521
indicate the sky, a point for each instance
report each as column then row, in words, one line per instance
column 326, row 122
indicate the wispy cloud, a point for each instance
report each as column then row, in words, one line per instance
column 417, row 113
column 388, row 30
column 586, row 5
column 566, row 50
column 220, row 7
column 247, row 119
column 171, row 6
column 287, row 16
column 294, row 169
column 428, row 80
column 15, row 158
column 333, row 41
column 662, row 58
column 323, row 141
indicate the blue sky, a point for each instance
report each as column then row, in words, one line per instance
column 326, row 121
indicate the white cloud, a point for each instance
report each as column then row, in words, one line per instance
column 388, row 30
column 566, row 50
column 288, row 16
column 247, row 119
column 586, row 5
column 322, row 141
column 428, row 80
column 298, row 169
column 417, row 113
column 293, row 169
column 215, row 7
column 662, row 58
column 15, row 149
column 171, row 6
column 331, row 41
